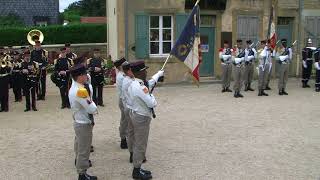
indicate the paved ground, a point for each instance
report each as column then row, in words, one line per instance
column 200, row 134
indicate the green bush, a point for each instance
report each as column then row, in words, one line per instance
column 11, row 20
column 77, row 33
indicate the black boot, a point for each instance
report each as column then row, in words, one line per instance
column 284, row 92
column 317, row 89
column 246, row 88
column 303, row 84
column 260, row 93
column 91, row 149
column 235, row 94
column 124, row 144
column 223, row 90
column 86, row 176
column 240, row 95
column 280, row 92
column 264, row 94
column 249, row 88
column 140, row 174
column 228, row 90
column 131, row 157
column 307, row 86
column 268, row 88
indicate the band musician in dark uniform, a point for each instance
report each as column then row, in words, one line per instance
column 40, row 55
column 96, row 68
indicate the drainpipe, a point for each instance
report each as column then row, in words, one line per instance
column 300, row 39
column 126, row 28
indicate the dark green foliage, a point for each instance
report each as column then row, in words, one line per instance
column 80, row 8
column 10, row 20
column 78, row 33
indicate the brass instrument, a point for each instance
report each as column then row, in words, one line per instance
column 35, row 35
column 3, row 63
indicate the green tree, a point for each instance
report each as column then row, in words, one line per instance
column 84, row 8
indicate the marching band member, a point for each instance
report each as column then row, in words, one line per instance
column 29, row 71
column 61, row 70
column 96, row 69
column 40, row 56
column 16, row 77
column 69, row 54
column 5, row 70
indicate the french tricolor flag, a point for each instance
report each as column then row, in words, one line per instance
column 187, row 47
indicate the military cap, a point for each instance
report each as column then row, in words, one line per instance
column 263, row 42
column 283, row 40
column 125, row 66
column 62, row 49
column 138, row 66
column 249, row 42
column 78, row 70
column 239, row 41
column 37, row 42
column 225, row 42
column 119, row 62
column 67, row 45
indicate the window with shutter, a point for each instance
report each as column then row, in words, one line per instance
column 142, row 35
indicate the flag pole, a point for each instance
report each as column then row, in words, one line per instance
column 165, row 63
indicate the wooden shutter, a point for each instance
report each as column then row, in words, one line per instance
column 180, row 22
column 142, row 35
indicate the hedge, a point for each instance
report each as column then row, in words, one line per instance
column 78, row 33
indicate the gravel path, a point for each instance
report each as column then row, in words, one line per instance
column 200, row 134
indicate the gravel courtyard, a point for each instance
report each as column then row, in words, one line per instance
column 199, row 134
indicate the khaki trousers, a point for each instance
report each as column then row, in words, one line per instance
column 226, row 75
column 130, row 139
column 82, row 144
column 141, row 127
column 123, row 128
column 283, row 76
column 238, row 77
column 263, row 77
column 248, row 74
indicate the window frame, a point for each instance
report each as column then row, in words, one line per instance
column 161, row 41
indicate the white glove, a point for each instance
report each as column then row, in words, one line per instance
column 158, row 75
column 304, row 63
column 226, row 57
column 316, row 64
column 250, row 58
column 283, row 58
column 238, row 60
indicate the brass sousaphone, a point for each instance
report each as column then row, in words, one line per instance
column 35, row 35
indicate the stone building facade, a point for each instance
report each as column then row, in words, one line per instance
column 146, row 29
column 32, row 12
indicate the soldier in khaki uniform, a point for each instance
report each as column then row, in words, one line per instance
column 140, row 115
column 225, row 55
column 264, row 67
column 284, row 59
column 123, row 128
column 238, row 68
column 250, row 57
column 83, row 109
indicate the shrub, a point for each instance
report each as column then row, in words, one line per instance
column 77, row 33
